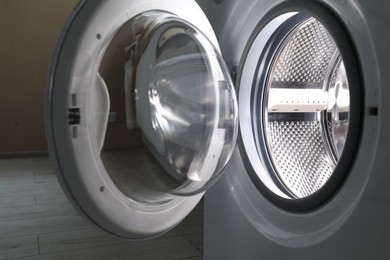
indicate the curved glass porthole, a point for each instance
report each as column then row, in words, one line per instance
column 300, row 109
column 173, row 109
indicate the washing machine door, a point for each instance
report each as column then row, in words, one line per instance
column 141, row 114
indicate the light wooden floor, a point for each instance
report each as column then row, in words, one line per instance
column 37, row 222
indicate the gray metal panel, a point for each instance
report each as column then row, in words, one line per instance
column 230, row 234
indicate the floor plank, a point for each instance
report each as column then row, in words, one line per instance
column 15, row 200
column 192, row 258
column 192, row 224
column 38, row 222
column 18, row 247
column 39, row 219
column 162, row 249
column 75, row 239
column 17, row 164
column 45, row 176
column 196, row 240
column 51, row 197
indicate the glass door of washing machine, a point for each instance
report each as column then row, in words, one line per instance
column 141, row 114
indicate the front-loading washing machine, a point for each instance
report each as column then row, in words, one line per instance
column 150, row 102
column 304, row 182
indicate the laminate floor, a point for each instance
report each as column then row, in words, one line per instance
column 37, row 222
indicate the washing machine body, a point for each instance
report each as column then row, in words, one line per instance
column 247, row 215
column 144, row 112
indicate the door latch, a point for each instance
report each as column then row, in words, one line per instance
column 74, row 116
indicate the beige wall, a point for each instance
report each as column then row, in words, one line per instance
column 28, row 31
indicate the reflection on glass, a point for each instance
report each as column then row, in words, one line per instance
column 175, row 109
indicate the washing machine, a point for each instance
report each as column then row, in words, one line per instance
column 288, row 193
column 275, row 109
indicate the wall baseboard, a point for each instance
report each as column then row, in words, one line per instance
column 23, row 154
